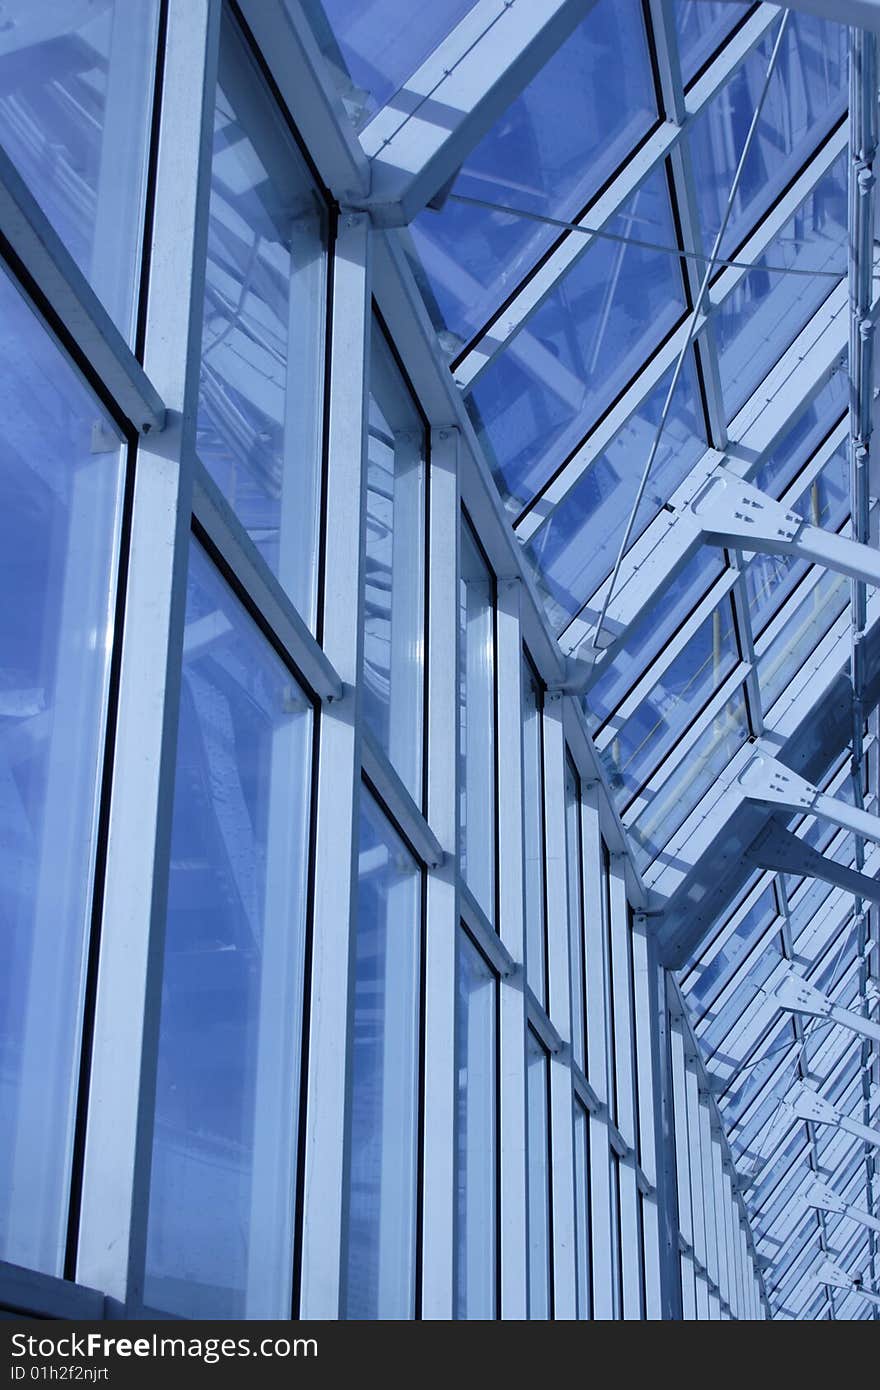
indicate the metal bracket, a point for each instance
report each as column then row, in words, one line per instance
column 770, row 782
column 807, row 1104
column 777, row 849
column 797, row 995
column 733, row 513
column 836, row 1276
column 819, row 1194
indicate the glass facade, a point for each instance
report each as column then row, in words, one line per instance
column 438, row 723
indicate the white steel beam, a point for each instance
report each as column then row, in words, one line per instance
column 768, row 781
column 796, row 995
column 417, row 142
column 824, row 1198
column 807, row 1104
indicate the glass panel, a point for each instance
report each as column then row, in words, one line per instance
column 733, row 1004
column 548, row 153
column 717, row 966
column 539, row 1178
column 575, row 884
column 814, row 616
column 533, row 816
column 582, row 1209
column 808, row 94
column 261, row 388
column 576, row 549
column 803, row 437
column 663, row 716
column 61, row 476
column 477, row 733
column 650, row 636
column 476, row 1064
column 764, row 314
column 373, row 46
column 76, row 93
column 771, row 578
column 703, row 25
column 394, row 619
column 227, row 1096
column 542, row 394
column 671, row 804
column 385, row 1076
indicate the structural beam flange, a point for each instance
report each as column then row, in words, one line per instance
column 807, row 1104
column 798, row 996
column 769, row 782
column 824, row 1198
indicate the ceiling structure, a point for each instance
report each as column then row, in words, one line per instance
column 644, row 233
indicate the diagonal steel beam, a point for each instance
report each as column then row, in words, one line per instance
column 416, row 143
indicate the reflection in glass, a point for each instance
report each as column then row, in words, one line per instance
column 549, row 152
column 260, row 393
column 801, row 633
column 533, row 817
column 703, row 25
column 763, row 315
column 76, row 90
column 381, row 1201
column 543, row 392
column 373, row 46
column 227, row 1096
column 669, row 806
column 807, row 95
column 575, row 549
column 61, row 474
column 477, row 731
column 476, row 1062
column 645, row 734
column 395, row 566
column 538, row 1081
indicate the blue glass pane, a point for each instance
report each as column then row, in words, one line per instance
column 76, row 89
column 808, row 94
column 476, row 1062
column 576, row 549
column 651, row 634
column 801, row 440
column 764, row 314
column 814, row 616
column 227, row 1097
column 373, row 46
column 549, row 153
column 771, row 578
column 381, row 1271
column 590, row 336
column 394, row 610
column 649, row 732
column 260, row 392
column 61, row 473
column 733, row 1004
column 477, row 723
column 670, row 805
column 707, row 978
column 703, row 25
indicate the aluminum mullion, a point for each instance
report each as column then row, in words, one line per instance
column 563, row 1225
column 442, row 901
column 324, row 1235
column 513, row 1270
column 118, row 1145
